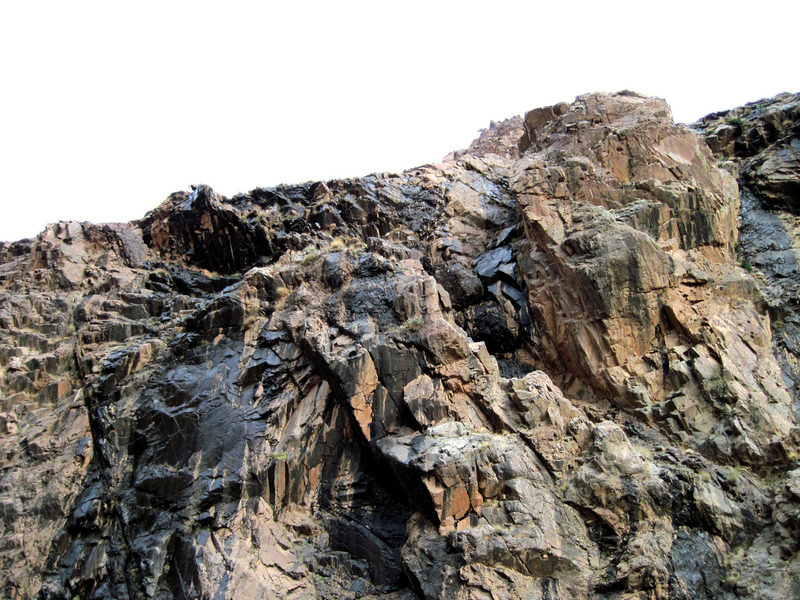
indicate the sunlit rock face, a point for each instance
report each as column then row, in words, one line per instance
column 562, row 364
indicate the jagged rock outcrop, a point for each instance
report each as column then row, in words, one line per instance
column 561, row 364
column 500, row 138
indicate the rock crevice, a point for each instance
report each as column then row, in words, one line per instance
column 563, row 363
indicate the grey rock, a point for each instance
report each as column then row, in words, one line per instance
column 562, row 364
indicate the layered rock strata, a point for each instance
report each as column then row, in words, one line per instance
column 561, row 364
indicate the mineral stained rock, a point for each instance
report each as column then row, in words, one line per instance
column 562, row 364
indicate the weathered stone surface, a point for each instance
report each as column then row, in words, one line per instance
column 557, row 365
column 760, row 141
column 501, row 138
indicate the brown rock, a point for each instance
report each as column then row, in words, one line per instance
column 539, row 375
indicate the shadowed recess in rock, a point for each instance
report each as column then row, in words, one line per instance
column 563, row 363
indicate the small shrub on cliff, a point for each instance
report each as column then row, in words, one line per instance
column 347, row 241
column 310, row 258
column 413, row 324
column 746, row 266
column 282, row 292
column 410, row 324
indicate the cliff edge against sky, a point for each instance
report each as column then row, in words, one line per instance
column 564, row 363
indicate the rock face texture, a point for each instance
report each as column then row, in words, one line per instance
column 562, row 364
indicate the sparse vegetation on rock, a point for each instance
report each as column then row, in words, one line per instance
column 541, row 369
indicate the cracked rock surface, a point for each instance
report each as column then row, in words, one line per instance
column 564, row 363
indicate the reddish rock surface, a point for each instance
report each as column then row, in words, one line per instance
column 564, row 363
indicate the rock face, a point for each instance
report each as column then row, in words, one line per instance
column 564, row 363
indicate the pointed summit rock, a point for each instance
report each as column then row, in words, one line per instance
column 563, row 363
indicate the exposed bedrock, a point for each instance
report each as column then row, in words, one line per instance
column 564, row 363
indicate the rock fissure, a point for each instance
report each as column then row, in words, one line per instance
column 562, row 363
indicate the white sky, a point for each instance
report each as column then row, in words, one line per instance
column 106, row 107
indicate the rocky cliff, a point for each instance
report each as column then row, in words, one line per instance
column 562, row 364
